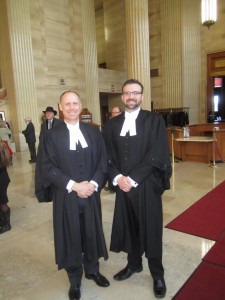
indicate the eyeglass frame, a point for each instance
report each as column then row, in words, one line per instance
column 115, row 112
column 134, row 93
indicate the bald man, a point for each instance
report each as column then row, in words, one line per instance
column 115, row 111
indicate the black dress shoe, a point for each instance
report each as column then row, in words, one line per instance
column 32, row 161
column 159, row 288
column 98, row 278
column 74, row 292
column 126, row 273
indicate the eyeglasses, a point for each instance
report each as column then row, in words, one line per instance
column 135, row 93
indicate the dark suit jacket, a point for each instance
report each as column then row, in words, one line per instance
column 29, row 133
column 44, row 125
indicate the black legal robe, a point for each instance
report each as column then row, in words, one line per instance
column 59, row 165
column 145, row 158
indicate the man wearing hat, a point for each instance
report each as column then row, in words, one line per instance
column 50, row 120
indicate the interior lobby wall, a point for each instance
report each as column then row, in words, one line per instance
column 179, row 45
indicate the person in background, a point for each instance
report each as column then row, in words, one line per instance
column 110, row 187
column 30, row 138
column 140, row 167
column 5, row 134
column 74, row 162
column 115, row 111
column 50, row 121
column 4, row 182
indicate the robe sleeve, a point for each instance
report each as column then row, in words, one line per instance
column 99, row 159
column 50, row 168
column 156, row 158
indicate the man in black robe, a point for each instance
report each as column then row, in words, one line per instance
column 140, row 168
column 74, row 162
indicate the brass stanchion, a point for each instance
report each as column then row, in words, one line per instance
column 173, row 165
column 213, row 165
column 172, row 146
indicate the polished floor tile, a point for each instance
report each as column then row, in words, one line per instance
column 27, row 267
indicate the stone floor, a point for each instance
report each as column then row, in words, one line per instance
column 27, row 267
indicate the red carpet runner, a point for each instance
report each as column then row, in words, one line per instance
column 206, row 283
column 216, row 254
column 205, row 218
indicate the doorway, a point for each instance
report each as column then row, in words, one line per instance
column 216, row 87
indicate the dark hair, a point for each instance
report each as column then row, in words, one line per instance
column 68, row 92
column 133, row 81
column 4, row 155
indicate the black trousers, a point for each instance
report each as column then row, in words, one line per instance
column 75, row 272
column 135, row 257
column 3, row 194
column 155, row 264
column 32, row 150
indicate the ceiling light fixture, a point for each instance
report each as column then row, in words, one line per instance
column 209, row 12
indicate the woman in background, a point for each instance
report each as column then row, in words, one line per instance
column 4, row 182
column 5, row 135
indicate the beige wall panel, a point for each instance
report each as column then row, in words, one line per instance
column 111, row 80
column 58, row 42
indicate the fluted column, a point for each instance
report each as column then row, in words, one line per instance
column 24, row 103
column 90, row 59
column 115, row 40
column 191, row 58
column 171, row 53
column 137, row 39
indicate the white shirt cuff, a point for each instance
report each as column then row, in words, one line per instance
column 69, row 186
column 95, row 184
column 116, row 178
column 135, row 184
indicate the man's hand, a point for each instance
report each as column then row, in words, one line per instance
column 83, row 189
column 124, row 184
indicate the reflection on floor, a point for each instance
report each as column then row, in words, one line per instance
column 27, row 267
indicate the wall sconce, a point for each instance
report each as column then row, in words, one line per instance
column 209, row 12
